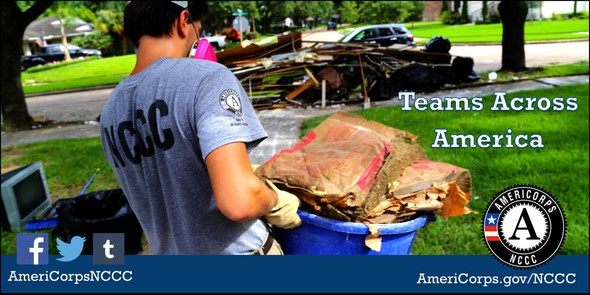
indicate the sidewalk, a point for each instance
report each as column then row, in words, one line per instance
column 283, row 126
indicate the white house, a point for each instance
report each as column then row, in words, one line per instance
column 47, row 30
column 547, row 9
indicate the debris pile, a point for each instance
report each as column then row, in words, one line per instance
column 352, row 169
column 283, row 73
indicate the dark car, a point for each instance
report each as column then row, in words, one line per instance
column 384, row 35
column 54, row 53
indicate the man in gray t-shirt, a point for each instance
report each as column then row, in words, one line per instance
column 176, row 132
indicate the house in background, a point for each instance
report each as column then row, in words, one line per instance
column 545, row 10
column 47, row 31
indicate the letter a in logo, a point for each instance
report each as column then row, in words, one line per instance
column 524, row 216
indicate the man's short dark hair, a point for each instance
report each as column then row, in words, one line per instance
column 156, row 18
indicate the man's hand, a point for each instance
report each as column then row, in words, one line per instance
column 284, row 213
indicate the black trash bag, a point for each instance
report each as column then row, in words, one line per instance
column 98, row 212
column 419, row 77
column 463, row 67
column 438, row 44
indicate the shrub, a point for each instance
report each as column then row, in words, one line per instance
column 252, row 36
column 556, row 17
column 446, row 18
column 494, row 18
column 579, row 15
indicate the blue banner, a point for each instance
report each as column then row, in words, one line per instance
column 295, row 274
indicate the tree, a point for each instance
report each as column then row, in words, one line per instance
column 464, row 13
column 349, row 12
column 415, row 11
column 484, row 11
column 14, row 21
column 456, row 6
column 273, row 11
column 65, row 12
column 109, row 21
column 311, row 8
column 445, row 7
column 387, row 11
column 513, row 15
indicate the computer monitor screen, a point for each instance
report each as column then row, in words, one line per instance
column 25, row 194
column 30, row 193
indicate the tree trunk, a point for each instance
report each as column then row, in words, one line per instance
column 64, row 40
column 484, row 11
column 513, row 15
column 464, row 13
column 15, row 115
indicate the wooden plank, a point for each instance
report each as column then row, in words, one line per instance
column 291, row 95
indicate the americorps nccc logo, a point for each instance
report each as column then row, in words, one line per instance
column 524, row 226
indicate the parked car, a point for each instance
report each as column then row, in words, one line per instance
column 54, row 53
column 383, row 34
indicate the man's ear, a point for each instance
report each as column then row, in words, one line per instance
column 184, row 24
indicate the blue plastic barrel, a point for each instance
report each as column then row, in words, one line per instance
column 319, row 235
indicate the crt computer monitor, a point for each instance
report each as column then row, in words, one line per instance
column 25, row 195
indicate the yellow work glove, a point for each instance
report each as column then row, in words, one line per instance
column 284, row 213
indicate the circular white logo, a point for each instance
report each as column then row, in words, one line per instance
column 230, row 101
column 524, row 226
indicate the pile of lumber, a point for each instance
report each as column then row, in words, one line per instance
column 284, row 73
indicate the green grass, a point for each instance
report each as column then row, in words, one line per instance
column 68, row 164
column 471, row 33
column 561, row 167
column 96, row 72
column 534, row 31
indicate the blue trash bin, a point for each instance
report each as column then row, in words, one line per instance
column 319, row 235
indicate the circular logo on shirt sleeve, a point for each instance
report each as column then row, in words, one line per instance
column 524, row 226
column 230, row 101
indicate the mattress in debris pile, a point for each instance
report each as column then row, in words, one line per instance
column 352, row 169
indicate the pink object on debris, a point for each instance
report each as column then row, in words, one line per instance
column 205, row 51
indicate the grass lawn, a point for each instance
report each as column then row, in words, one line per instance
column 471, row 33
column 561, row 167
column 96, row 72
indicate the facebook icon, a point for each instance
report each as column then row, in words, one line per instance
column 32, row 249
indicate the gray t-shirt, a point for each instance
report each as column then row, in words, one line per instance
column 157, row 128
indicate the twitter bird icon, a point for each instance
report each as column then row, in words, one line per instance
column 72, row 250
